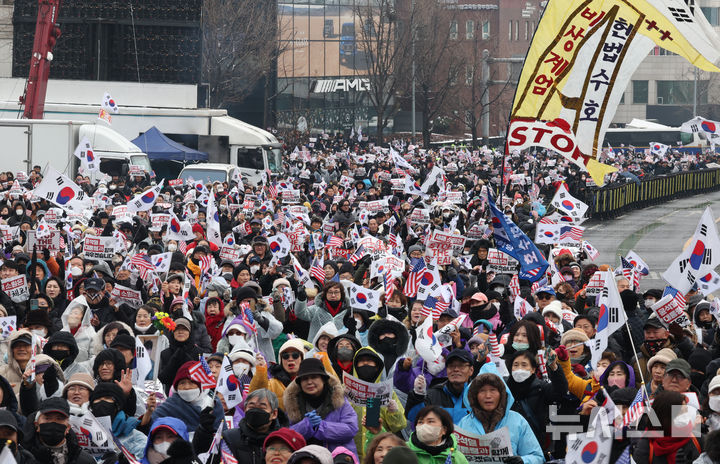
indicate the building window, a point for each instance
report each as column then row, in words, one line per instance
column 680, row 92
column 469, row 74
column 527, row 30
column 510, row 24
column 453, row 30
column 469, row 29
column 622, row 98
column 640, row 92
column 486, row 30
column 517, row 30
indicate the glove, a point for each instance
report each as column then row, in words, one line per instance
column 261, row 320
column 301, row 295
column 207, row 418
column 392, row 406
column 350, row 322
column 315, row 421
column 562, row 353
column 50, row 381
column 513, row 460
column 419, row 386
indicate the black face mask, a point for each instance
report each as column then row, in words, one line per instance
column 367, row 373
column 58, row 355
column 104, row 408
column 345, row 354
column 398, row 313
column 52, row 433
column 256, row 418
column 387, row 345
column 653, row 346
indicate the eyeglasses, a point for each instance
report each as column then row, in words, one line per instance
column 544, row 296
column 333, row 292
column 279, row 449
column 292, row 355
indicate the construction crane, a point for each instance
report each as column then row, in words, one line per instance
column 46, row 35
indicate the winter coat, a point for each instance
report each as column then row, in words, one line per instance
column 44, row 266
column 246, row 444
column 11, row 370
column 189, row 413
column 404, row 380
column 125, row 429
column 391, row 421
column 424, row 456
column 69, row 365
column 688, row 452
column 41, row 453
column 84, row 333
column 318, row 316
column 98, row 341
column 175, row 356
column 10, row 402
column 522, row 438
column 439, row 395
column 175, row 424
column 263, row 339
column 583, row 389
column 339, row 422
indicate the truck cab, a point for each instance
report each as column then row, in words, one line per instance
column 208, row 172
column 115, row 152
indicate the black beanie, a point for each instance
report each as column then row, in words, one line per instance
column 111, row 390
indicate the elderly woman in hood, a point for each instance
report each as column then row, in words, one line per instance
column 76, row 320
column 18, row 357
column 491, row 403
column 267, row 326
column 106, row 334
column 49, row 382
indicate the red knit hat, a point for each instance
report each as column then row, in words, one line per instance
column 198, row 228
column 183, row 373
column 288, row 436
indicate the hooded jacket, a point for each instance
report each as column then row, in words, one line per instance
column 85, row 331
column 339, row 422
column 42, row 453
column 332, row 353
column 174, row 424
column 391, row 421
column 189, row 413
column 11, row 370
column 69, row 365
column 522, row 438
column 98, row 341
column 45, row 268
column 398, row 347
column 318, row 315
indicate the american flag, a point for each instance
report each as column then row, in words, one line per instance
column 279, row 219
column 317, row 271
column 637, row 407
column 571, row 232
column 182, row 246
column 538, row 284
column 128, row 455
column 142, row 263
column 547, row 220
column 198, row 374
column 389, row 283
column 413, row 281
column 392, row 239
column 434, row 307
column 247, row 317
column 335, row 242
column 677, row 296
column 205, row 263
column 514, row 286
column 226, row 454
column 494, row 346
column 358, row 255
column 272, row 190
column 630, row 273
column 624, row 457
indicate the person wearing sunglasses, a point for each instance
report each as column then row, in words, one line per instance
column 543, row 296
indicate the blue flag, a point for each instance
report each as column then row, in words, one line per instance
column 511, row 240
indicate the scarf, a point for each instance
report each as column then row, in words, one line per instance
column 333, row 308
column 322, row 404
column 346, row 366
column 433, row 450
column 667, row 446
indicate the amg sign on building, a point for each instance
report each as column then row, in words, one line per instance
column 341, row 85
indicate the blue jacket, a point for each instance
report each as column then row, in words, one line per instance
column 124, row 428
column 187, row 412
column 174, row 424
column 522, row 438
column 440, row 395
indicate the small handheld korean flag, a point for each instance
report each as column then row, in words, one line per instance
column 364, row 298
column 145, row 200
column 426, row 344
column 109, row 104
column 213, row 222
column 143, row 365
column 228, row 385
column 568, row 204
column 84, row 152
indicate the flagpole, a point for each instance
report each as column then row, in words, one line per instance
column 632, row 343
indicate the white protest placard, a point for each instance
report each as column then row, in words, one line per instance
column 21, row 176
column 397, row 184
column 594, row 287
column 420, row 216
column 443, row 255
column 102, row 248
column 130, row 297
column 121, row 212
column 230, row 253
column 668, row 310
column 16, row 288
column 373, row 246
column 159, row 220
column 455, row 197
column 8, row 233
column 358, row 391
column 387, row 264
column 374, row 206
column 136, row 170
column 444, row 240
column 384, row 176
column 91, row 435
column 53, row 216
column 290, row 196
column 476, row 231
column 175, row 182
column 50, row 242
column 501, row 263
column 8, row 325
column 492, row 447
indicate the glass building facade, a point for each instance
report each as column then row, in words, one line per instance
column 322, row 69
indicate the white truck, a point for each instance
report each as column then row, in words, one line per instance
column 169, row 107
column 39, row 142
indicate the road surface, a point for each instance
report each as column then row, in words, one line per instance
column 658, row 234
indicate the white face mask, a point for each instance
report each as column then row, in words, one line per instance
column 254, row 269
column 685, row 419
column 240, row 369
column 436, row 368
column 427, row 433
column 172, row 247
column 714, row 403
column 162, row 448
column 40, row 332
column 649, row 303
column 235, row 339
column 141, row 329
column 75, row 271
column 521, row 375
column 189, row 395
column 19, row 212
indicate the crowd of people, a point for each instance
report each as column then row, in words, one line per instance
column 252, row 340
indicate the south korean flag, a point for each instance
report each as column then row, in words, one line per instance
column 363, row 298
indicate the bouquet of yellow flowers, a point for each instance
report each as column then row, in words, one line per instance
column 163, row 322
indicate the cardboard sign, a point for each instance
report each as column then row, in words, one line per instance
column 420, row 216
column 175, row 182
column 16, row 288
column 130, row 297
column 358, row 391
column 102, row 248
column 668, row 310
column 492, row 447
column 136, row 170
column 501, row 263
column 445, row 241
column 50, row 242
column 290, row 196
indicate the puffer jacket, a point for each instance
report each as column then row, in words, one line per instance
column 174, row 424
column 339, row 422
column 522, row 438
column 450, row 454
column 318, row 316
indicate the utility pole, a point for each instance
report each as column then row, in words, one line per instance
column 695, row 74
column 412, row 39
